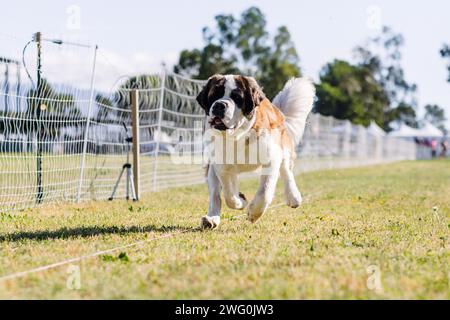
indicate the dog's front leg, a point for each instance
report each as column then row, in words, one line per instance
column 266, row 190
column 212, row 220
column 233, row 198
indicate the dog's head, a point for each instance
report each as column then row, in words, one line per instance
column 229, row 101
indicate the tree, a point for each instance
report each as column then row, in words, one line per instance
column 445, row 53
column 55, row 107
column 436, row 116
column 279, row 65
column 103, row 108
column 350, row 92
column 243, row 46
column 58, row 104
column 402, row 113
column 374, row 88
column 382, row 55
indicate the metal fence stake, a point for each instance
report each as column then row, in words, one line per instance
column 136, row 142
column 39, row 187
column 86, row 132
column 161, row 105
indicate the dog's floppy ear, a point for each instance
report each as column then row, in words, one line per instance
column 202, row 97
column 253, row 96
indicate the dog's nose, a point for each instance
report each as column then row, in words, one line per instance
column 218, row 109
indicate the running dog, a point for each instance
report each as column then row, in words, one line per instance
column 243, row 120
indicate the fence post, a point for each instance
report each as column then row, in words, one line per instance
column 40, row 101
column 362, row 144
column 136, row 141
column 378, row 148
column 88, row 119
column 315, row 134
column 158, row 130
column 346, row 140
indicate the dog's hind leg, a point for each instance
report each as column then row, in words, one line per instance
column 212, row 220
column 291, row 192
column 266, row 190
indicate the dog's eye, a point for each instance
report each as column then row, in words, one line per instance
column 216, row 93
column 237, row 98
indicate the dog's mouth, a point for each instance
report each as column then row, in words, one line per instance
column 218, row 124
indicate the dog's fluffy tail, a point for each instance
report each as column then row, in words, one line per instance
column 296, row 101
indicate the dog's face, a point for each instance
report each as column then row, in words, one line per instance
column 229, row 101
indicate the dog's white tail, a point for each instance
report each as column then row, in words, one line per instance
column 296, row 101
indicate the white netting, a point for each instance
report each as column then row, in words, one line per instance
column 65, row 140
column 42, row 122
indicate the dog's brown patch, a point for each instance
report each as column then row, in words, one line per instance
column 269, row 118
column 253, row 94
column 212, row 91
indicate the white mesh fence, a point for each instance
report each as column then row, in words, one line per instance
column 64, row 140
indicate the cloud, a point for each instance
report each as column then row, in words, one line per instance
column 74, row 67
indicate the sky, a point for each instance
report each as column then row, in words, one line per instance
column 136, row 36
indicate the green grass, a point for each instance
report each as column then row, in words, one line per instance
column 394, row 216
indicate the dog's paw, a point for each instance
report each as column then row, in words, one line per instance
column 243, row 201
column 254, row 212
column 294, row 199
column 237, row 203
column 210, row 222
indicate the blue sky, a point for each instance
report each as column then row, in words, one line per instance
column 135, row 36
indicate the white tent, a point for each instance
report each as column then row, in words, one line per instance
column 405, row 131
column 374, row 130
column 430, row 131
column 427, row 131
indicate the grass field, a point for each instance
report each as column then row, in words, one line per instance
column 390, row 222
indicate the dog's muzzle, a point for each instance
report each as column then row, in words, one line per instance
column 218, row 114
column 218, row 109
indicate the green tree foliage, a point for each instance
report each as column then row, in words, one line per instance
column 122, row 95
column 382, row 56
column 57, row 104
column 374, row 88
column 445, row 53
column 243, row 45
column 350, row 92
column 103, row 112
column 280, row 64
column 53, row 105
column 402, row 113
column 436, row 116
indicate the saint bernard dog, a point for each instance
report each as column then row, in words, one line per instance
column 238, row 111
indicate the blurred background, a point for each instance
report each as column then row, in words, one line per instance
column 381, row 69
column 402, row 42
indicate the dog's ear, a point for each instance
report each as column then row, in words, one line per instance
column 202, row 97
column 253, row 96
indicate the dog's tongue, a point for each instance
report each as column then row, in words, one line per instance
column 217, row 120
